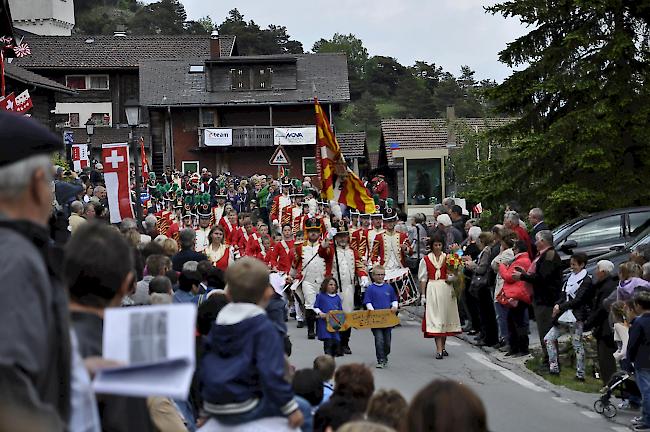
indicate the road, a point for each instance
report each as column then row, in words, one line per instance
column 514, row 400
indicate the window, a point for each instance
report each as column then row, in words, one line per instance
column 240, row 79
column 309, row 166
column 423, row 181
column 207, row 118
column 101, row 119
column 67, row 120
column 262, row 78
column 87, row 82
column 638, row 222
column 597, row 231
column 190, row 166
column 196, row 69
column 77, row 82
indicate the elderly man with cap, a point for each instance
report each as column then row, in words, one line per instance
column 345, row 265
column 35, row 350
column 310, row 269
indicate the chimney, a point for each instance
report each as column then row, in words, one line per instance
column 215, row 45
column 451, row 123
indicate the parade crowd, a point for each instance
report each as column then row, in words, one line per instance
column 254, row 254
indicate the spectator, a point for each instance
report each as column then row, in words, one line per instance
column 364, row 426
column 187, row 241
column 536, row 220
column 505, row 256
column 545, row 275
column 355, row 382
column 97, row 174
column 512, row 222
column 480, row 288
column 160, row 290
column 88, row 194
column 156, row 265
column 92, row 210
column 335, row 413
column 445, row 406
column 170, row 247
column 95, row 285
column 325, row 365
column 571, row 311
column 245, row 348
column 307, row 384
column 604, row 285
column 638, row 353
column 452, row 235
column 188, row 287
column 387, row 407
column 76, row 216
column 458, row 220
column 629, row 276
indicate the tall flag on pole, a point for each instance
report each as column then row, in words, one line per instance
column 338, row 182
column 145, row 163
column 79, row 156
column 115, row 158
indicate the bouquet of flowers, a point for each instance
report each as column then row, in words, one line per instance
column 455, row 274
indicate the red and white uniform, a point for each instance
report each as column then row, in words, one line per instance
column 229, row 230
column 310, row 265
column 359, row 242
column 243, row 237
column 254, row 244
column 202, row 239
column 265, row 255
column 348, row 266
column 283, row 256
column 217, row 214
column 221, row 257
column 388, row 252
column 372, row 235
column 279, row 203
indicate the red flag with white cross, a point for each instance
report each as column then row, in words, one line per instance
column 115, row 158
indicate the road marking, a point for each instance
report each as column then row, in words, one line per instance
column 561, row 400
column 505, row 372
column 452, row 343
column 590, row 414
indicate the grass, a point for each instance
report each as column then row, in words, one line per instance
column 567, row 373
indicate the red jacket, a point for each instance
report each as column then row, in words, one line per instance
column 378, row 253
column 359, row 266
column 282, row 256
column 518, row 290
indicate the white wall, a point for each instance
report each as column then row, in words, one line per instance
column 43, row 17
column 85, row 110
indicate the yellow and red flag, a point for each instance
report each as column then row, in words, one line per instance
column 143, row 160
column 338, row 182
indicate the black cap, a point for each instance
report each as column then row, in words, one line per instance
column 22, row 137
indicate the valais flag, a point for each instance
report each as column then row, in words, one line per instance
column 115, row 158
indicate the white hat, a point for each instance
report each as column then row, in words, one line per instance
column 444, row 220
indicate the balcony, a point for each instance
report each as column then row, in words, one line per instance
column 256, row 136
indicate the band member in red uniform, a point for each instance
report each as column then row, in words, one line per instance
column 359, row 239
column 279, row 203
column 218, row 211
column 246, row 232
column 284, row 251
column 254, row 243
column 229, row 225
column 390, row 248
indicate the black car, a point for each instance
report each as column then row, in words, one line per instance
column 598, row 233
column 620, row 255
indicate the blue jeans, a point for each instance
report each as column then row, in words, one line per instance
column 382, row 343
column 643, row 382
column 502, row 320
column 185, row 408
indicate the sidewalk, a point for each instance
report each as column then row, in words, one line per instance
column 585, row 401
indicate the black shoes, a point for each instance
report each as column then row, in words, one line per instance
column 347, row 350
column 439, row 356
column 311, row 335
column 301, row 324
column 445, row 353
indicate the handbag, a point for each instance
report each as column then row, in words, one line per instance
column 506, row 301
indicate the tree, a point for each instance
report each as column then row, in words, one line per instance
column 201, row 26
column 383, row 75
column 163, row 17
column 415, row 98
column 357, row 56
column 583, row 102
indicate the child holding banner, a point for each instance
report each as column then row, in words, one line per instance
column 327, row 300
column 380, row 295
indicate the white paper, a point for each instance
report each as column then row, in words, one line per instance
column 156, row 345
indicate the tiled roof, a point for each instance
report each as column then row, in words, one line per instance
column 110, row 52
column 169, row 83
column 24, row 76
column 422, row 134
column 353, row 144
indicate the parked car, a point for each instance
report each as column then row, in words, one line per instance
column 620, row 255
column 599, row 233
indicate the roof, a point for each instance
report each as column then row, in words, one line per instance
column 169, row 83
column 24, row 76
column 110, row 52
column 106, row 135
column 353, row 144
column 425, row 134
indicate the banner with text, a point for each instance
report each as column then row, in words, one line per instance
column 217, row 137
column 294, row 136
column 363, row 319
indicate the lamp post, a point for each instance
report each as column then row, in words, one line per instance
column 90, row 130
column 132, row 109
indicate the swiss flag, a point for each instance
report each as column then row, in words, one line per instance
column 115, row 158
column 8, row 103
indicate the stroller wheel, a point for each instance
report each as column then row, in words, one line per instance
column 610, row 411
column 599, row 406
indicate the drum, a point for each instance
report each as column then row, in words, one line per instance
column 404, row 284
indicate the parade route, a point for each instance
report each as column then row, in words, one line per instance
column 514, row 402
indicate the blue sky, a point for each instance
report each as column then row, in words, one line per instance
column 449, row 33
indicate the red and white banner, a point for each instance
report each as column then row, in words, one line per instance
column 478, row 209
column 115, row 158
column 23, row 102
column 80, row 158
column 8, row 103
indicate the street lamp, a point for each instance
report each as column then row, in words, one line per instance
column 90, row 130
column 132, row 109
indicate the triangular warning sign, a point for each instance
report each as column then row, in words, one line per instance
column 279, row 157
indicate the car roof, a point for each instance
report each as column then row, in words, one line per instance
column 604, row 213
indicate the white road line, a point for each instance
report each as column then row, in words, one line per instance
column 621, row 429
column 561, row 400
column 452, row 343
column 590, row 414
column 505, row 372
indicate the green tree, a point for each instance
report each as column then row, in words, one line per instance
column 583, row 102
column 357, row 56
column 162, row 17
column 383, row 75
column 415, row 98
column 201, row 26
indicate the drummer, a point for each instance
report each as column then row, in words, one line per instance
column 391, row 248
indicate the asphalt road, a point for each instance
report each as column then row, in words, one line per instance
column 514, row 400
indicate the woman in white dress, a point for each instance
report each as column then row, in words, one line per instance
column 441, row 307
column 218, row 252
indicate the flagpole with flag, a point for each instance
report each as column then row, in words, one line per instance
column 145, row 163
column 338, row 182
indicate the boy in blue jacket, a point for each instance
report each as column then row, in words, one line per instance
column 638, row 353
column 380, row 295
column 242, row 372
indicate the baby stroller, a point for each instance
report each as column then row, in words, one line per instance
column 621, row 385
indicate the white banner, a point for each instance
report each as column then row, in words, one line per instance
column 217, row 137
column 294, row 136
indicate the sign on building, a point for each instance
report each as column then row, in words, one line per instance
column 217, row 137
column 294, row 136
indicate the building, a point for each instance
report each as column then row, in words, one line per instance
column 355, row 150
column 228, row 113
column 413, row 154
column 43, row 17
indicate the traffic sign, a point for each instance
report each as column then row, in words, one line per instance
column 279, row 157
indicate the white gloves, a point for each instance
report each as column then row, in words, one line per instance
column 365, row 281
column 423, row 300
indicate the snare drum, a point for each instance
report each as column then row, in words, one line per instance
column 404, row 284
